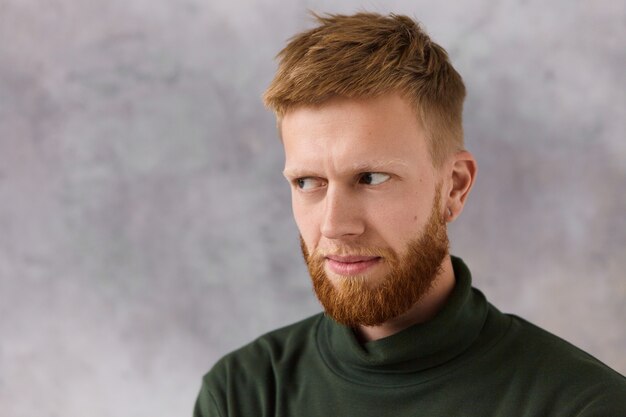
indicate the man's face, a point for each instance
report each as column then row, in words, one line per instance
column 366, row 200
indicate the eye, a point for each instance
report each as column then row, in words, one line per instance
column 308, row 183
column 374, row 178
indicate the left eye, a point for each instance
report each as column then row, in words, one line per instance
column 374, row 178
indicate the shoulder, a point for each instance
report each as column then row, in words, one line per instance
column 552, row 351
column 243, row 381
column 260, row 356
column 566, row 375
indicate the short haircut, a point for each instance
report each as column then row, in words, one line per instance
column 366, row 55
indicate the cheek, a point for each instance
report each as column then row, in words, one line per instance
column 400, row 222
column 304, row 217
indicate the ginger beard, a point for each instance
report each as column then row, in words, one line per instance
column 354, row 300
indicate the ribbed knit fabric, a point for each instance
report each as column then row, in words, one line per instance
column 469, row 360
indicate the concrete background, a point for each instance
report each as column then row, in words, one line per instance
column 145, row 229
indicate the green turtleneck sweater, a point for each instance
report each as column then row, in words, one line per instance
column 470, row 360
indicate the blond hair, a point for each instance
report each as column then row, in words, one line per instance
column 366, row 55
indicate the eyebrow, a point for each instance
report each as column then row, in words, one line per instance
column 367, row 166
column 375, row 165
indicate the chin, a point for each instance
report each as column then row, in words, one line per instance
column 371, row 279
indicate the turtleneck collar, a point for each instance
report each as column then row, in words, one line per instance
column 420, row 347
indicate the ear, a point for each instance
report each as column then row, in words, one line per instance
column 461, row 174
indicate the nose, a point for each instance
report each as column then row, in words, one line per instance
column 342, row 215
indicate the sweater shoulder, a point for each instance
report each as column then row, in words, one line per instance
column 260, row 356
column 553, row 367
column 246, row 379
column 546, row 346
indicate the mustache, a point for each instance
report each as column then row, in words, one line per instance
column 352, row 251
column 319, row 254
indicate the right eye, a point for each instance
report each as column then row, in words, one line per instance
column 308, row 183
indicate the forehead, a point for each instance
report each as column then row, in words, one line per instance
column 352, row 133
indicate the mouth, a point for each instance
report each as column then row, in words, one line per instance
column 351, row 265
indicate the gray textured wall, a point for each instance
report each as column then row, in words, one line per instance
column 145, row 229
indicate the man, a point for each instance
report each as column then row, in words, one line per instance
column 369, row 111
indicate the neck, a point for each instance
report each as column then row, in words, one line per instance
column 422, row 311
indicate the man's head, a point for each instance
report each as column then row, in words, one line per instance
column 372, row 185
column 366, row 55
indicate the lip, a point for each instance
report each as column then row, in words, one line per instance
column 351, row 258
column 351, row 265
